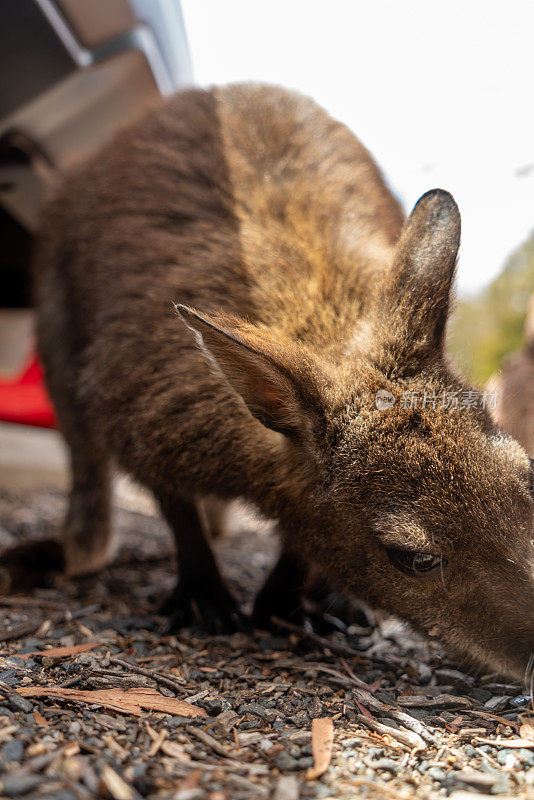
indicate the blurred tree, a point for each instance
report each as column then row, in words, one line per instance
column 488, row 326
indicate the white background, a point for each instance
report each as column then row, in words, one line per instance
column 441, row 93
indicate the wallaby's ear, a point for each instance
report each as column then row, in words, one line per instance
column 277, row 383
column 423, row 272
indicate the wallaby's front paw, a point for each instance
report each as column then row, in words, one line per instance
column 31, row 565
column 214, row 611
column 322, row 611
column 265, row 617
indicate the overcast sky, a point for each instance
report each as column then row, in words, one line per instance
column 441, row 93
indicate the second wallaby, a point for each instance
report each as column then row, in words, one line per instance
column 514, row 386
column 302, row 369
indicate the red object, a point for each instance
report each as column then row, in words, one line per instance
column 24, row 399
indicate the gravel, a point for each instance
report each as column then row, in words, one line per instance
column 419, row 729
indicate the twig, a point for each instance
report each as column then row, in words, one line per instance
column 408, row 738
column 30, row 601
column 367, row 699
column 492, row 717
column 31, row 627
column 210, row 741
column 148, row 673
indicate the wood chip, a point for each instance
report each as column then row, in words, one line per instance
column 60, row 652
column 322, row 745
column 131, row 701
column 210, row 741
column 116, row 786
column 157, row 740
column 174, row 750
column 439, row 701
column 30, row 627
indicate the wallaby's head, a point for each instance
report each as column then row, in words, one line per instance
column 394, row 477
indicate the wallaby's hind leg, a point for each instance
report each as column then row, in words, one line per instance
column 84, row 546
column 213, row 513
column 201, row 595
column 86, row 536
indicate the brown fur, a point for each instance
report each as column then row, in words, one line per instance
column 301, row 295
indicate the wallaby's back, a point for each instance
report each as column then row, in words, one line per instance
column 248, row 200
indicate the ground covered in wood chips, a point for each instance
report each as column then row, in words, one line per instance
column 95, row 701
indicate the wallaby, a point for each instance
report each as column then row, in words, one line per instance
column 515, row 390
column 302, row 369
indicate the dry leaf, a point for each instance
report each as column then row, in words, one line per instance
column 322, row 744
column 507, row 742
column 39, row 719
column 364, row 711
column 59, row 652
column 526, row 731
column 131, row 701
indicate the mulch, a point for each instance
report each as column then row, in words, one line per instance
column 96, row 701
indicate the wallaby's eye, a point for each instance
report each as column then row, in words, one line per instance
column 411, row 563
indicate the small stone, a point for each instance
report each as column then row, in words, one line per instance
column 18, row 703
column 16, row 785
column 501, row 786
column 226, row 720
column 253, row 708
column 286, row 788
column 497, row 703
column 437, row 774
column 481, row 694
column 12, row 751
column 176, row 722
column 375, row 752
column 351, row 742
column 213, row 705
column 248, row 724
column 526, row 756
column 9, row 677
column 285, row 763
column 315, row 708
column 463, row 795
column 31, row 644
column 506, row 758
column 386, row 697
column 386, row 763
column 471, row 777
column 520, row 700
